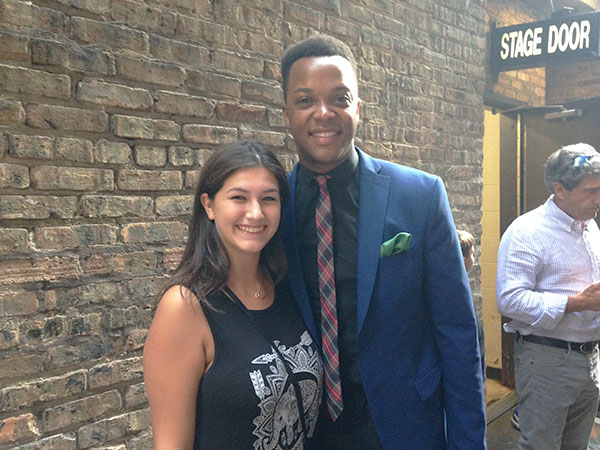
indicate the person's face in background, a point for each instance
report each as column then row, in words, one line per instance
column 469, row 260
column 246, row 211
column 321, row 110
column 581, row 202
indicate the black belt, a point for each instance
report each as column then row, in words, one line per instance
column 582, row 347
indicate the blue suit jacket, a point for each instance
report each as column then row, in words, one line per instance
column 417, row 338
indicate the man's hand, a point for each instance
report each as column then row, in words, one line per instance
column 587, row 300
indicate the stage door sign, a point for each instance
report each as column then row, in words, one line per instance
column 535, row 44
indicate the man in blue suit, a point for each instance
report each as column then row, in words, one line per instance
column 406, row 331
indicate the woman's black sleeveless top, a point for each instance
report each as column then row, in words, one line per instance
column 246, row 399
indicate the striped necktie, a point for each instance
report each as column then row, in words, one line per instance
column 329, row 320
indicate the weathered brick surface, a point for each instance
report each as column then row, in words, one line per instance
column 77, row 150
column 80, row 410
column 174, row 205
column 44, row 269
column 66, row 119
column 14, row 46
column 150, row 155
column 149, row 180
column 13, row 240
column 113, row 95
column 142, row 128
column 37, row 82
column 115, row 206
column 57, row 238
column 108, row 152
column 167, row 232
column 32, row 147
column 137, row 69
column 18, row 303
column 109, row 109
column 183, row 105
column 14, row 429
column 72, row 178
column 11, row 112
column 57, row 442
column 14, row 176
column 37, row 207
column 72, row 56
column 207, row 134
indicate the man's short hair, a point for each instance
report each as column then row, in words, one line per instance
column 571, row 164
column 319, row 45
column 467, row 241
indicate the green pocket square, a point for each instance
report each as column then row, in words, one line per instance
column 397, row 244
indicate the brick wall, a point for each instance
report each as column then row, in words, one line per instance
column 573, row 81
column 526, row 85
column 107, row 110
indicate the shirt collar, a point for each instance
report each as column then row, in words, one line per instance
column 337, row 175
column 563, row 219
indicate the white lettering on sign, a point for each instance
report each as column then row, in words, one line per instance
column 518, row 44
column 574, row 37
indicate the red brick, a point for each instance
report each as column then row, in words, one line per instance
column 44, row 269
column 18, row 428
column 139, row 262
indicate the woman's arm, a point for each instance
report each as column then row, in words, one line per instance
column 178, row 349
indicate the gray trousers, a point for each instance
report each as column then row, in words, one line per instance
column 558, row 396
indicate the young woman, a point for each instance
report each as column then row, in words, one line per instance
column 228, row 362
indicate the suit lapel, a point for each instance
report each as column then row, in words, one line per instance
column 373, row 200
column 288, row 229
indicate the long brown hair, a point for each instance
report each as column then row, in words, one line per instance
column 204, row 267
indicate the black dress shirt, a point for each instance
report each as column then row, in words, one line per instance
column 354, row 428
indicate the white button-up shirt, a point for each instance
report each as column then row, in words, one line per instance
column 545, row 256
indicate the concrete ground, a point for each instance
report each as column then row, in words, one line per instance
column 500, row 433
